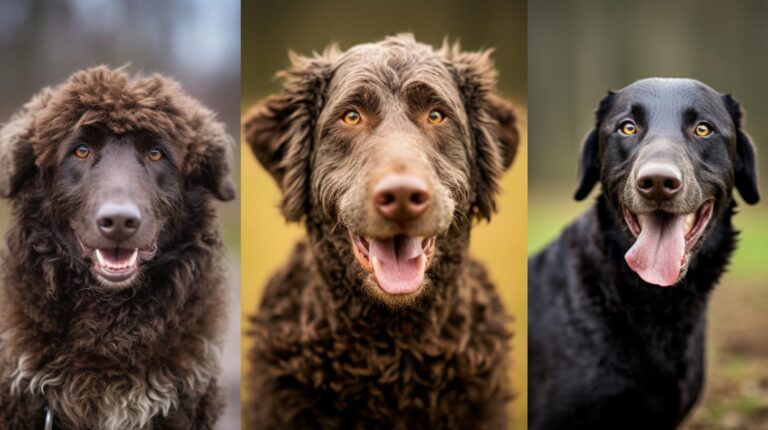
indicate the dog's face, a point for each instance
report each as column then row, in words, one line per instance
column 668, row 153
column 400, row 142
column 119, row 192
column 114, row 167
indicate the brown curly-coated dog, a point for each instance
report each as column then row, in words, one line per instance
column 112, row 298
column 380, row 319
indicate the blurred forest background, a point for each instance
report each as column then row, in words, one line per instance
column 580, row 50
column 272, row 28
column 195, row 41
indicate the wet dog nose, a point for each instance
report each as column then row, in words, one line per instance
column 118, row 221
column 401, row 197
column 658, row 181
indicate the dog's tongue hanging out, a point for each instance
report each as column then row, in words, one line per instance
column 657, row 254
column 398, row 263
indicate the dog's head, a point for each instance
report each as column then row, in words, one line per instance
column 668, row 153
column 395, row 142
column 115, row 163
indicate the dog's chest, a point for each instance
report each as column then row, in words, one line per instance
column 382, row 378
column 111, row 395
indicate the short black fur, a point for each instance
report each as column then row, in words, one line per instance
column 608, row 350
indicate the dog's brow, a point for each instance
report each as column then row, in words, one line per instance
column 362, row 97
column 638, row 112
column 423, row 95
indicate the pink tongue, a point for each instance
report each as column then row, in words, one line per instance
column 658, row 251
column 398, row 263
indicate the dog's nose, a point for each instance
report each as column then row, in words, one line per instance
column 118, row 221
column 401, row 197
column 658, row 181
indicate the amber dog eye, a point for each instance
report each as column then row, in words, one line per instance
column 155, row 154
column 628, row 128
column 703, row 129
column 435, row 117
column 351, row 118
column 82, row 151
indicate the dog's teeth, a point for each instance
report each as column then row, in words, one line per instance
column 133, row 258
column 99, row 257
column 689, row 220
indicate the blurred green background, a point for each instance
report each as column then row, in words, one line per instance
column 271, row 28
column 197, row 42
column 578, row 50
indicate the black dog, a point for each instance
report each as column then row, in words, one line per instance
column 610, row 348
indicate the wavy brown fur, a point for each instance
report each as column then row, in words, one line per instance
column 327, row 354
column 142, row 357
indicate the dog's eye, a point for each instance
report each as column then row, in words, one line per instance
column 703, row 129
column 155, row 154
column 435, row 117
column 351, row 118
column 82, row 151
column 628, row 128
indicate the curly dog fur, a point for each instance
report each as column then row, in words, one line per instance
column 145, row 356
column 331, row 350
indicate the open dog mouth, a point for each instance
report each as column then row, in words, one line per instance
column 664, row 242
column 398, row 264
column 117, row 265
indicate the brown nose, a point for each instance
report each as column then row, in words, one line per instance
column 401, row 197
column 660, row 182
column 118, row 221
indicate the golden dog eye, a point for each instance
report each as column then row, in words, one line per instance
column 155, row 154
column 351, row 117
column 82, row 151
column 703, row 130
column 628, row 128
column 435, row 117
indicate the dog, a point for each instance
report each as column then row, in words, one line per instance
column 617, row 303
column 112, row 303
column 379, row 319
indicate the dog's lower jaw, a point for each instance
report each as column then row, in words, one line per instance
column 121, row 285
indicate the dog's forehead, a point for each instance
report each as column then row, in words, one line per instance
column 660, row 96
column 391, row 64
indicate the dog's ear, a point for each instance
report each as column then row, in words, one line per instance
column 17, row 157
column 745, row 170
column 589, row 159
column 492, row 122
column 210, row 167
column 280, row 130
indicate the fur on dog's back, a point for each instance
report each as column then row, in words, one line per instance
column 142, row 357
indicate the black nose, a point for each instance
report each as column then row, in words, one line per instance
column 660, row 182
column 118, row 221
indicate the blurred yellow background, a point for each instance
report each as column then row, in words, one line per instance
column 270, row 29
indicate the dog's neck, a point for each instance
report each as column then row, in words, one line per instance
column 649, row 305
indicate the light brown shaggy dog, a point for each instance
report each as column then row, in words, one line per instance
column 112, row 298
column 381, row 320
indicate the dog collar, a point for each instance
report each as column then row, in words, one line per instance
column 48, row 418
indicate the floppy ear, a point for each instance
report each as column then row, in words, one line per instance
column 492, row 122
column 745, row 170
column 589, row 165
column 589, row 160
column 280, row 130
column 210, row 167
column 17, row 157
